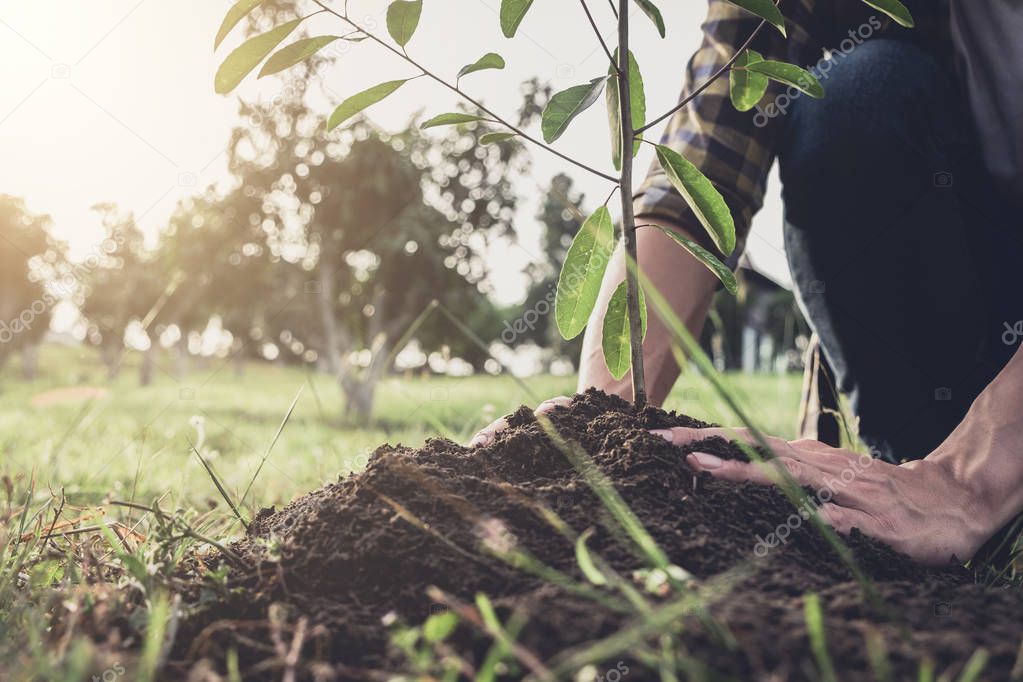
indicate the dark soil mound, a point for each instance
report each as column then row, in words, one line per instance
column 345, row 556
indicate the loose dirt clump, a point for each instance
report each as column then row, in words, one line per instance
column 332, row 565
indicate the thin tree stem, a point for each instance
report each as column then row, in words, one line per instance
column 600, row 38
column 628, row 217
column 456, row 89
column 706, row 84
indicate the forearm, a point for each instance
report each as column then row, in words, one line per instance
column 985, row 452
column 686, row 284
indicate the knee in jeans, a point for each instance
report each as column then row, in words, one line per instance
column 878, row 97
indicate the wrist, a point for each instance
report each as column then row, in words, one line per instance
column 984, row 460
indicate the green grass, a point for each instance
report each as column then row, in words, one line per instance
column 134, row 442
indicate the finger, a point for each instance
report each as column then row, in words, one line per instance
column 549, row 404
column 762, row 473
column 823, row 456
column 684, row 435
column 844, row 519
column 486, row 435
column 767, row 473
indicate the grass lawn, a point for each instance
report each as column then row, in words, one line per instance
column 134, row 442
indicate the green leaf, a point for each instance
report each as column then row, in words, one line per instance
column 566, row 105
column 451, row 119
column 403, row 18
column 789, row 74
column 248, row 55
column 766, row 10
column 703, row 198
column 582, row 273
column 722, row 271
column 746, row 88
column 439, row 627
column 512, row 14
column 238, row 11
column 490, row 60
column 293, row 54
column 614, row 113
column 655, row 14
column 356, row 103
column 895, row 9
column 615, row 338
column 585, row 560
column 494, row 138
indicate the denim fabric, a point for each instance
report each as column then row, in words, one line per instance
column 906, row 262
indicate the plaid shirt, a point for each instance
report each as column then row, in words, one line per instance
column 735, row 149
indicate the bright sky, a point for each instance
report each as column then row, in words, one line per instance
column 112, row 100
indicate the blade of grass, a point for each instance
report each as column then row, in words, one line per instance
column 975, row 666
column 818, row 641
column 153, row 643
column 269, row 449
column 185, row 528
column 877, row 653
column 220, row 486
column 480, row 620
column 925, row 673
column 627, row 639
column 498, row 652
column 1017, row 667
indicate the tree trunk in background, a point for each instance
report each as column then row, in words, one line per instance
column 359, row 401
column 327, row 319
column 238, row 357
column 147, row 366
column 181, row 356
column 30, row 362
column 113, row 358
column 360, row 391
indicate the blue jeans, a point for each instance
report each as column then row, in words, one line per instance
column 906, row 262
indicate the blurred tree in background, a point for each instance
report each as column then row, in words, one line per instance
column 120, row 284
column 29, row 258
column 351, row 215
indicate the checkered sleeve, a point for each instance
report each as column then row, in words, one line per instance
column 733, row 149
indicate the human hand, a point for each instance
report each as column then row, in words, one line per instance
column 486, row 435
column 919, row 508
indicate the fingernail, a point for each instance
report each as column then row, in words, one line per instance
column 707, row 461
column 663, row 433
column 478, row 440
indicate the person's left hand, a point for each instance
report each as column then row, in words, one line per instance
column 918, row 507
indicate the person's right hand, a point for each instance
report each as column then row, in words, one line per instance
column 486, row 436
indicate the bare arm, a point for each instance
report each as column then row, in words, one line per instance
column 689, row 287
column 985, row 452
